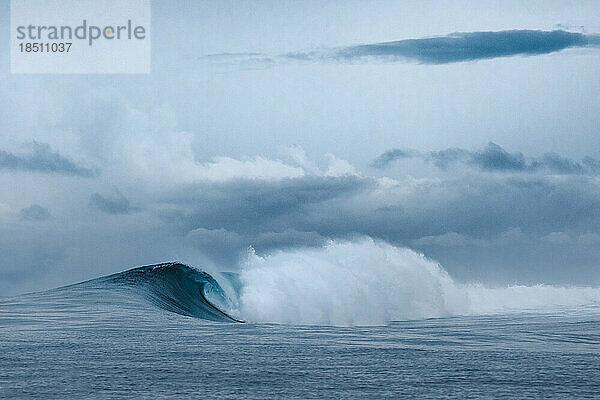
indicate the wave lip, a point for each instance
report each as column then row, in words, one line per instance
column 178, row 288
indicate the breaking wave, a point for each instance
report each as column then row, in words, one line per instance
column 363, row 282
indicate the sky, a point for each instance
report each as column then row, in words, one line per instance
column 467, row 131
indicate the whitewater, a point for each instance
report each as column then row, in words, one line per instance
column 373, row 282
column 351, row 319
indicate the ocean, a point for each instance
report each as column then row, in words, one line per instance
column 174, row 331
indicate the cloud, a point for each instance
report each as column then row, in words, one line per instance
column 392, row 155
column 43, row 159
column 558, row 238
column 247, row 205
column 236, row 61
column 398, row 211
column 226, row 168
column 563, row 165
column 494, row 158
column 114, row 204
column 35, row 212
column 469, row 46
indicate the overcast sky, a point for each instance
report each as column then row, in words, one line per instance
column 465, row 130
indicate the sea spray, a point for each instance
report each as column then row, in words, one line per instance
column 370, row 282
column 346, row 283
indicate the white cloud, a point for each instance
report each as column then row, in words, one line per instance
column 339, row 167
column 557, row 238
column 226, row 168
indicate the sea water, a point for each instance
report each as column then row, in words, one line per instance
column 351, row 320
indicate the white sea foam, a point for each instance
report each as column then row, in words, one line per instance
column 373, row 282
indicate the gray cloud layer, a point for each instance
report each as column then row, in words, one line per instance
column 115, row 204
column 43, row 159
column 470, row 46
column 251, row 205
column 494, row 158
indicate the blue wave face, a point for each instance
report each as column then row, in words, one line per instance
column 176, row 288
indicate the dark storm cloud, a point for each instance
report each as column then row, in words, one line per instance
column 43, row 159
column 495, row 158
column 480, row 208
column 35, row 212
column 114, row 204
column 246, row 205
column 470, row 46
column 334, row 207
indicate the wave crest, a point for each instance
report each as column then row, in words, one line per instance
column 178, row 288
